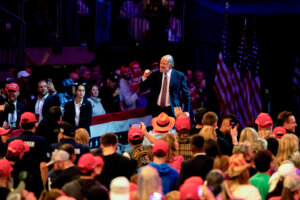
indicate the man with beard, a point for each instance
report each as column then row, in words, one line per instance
column 40, row 106
column 128, row 96
column 12, row 119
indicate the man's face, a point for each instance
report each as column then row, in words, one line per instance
column 42, row 88
column 13, row 95
column 111, row 84
column 126, row 73
column 136, row 69
column 86, row 75
column 225, row 126
column 291, row 124
column 189, row 75
column 165, row 65
column 199, row 76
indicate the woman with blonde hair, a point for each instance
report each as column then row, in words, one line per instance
column 149, row 182
column 238, row 183
column 248, row 134
column 208, row 132
column 82, row 136
column 265, row 134
column 288, row 147
column 173, row 159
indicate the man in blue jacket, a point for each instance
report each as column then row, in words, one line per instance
column 167, row 174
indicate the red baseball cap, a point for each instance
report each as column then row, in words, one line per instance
column 28, row 117
column 160, row 146
column 279, row 131
column 135, row 133
column 13, row 86
column 5, row 168
column 86, row 163
column 183, row 124
column 4, row 131
column 16, row 147
column 189, row 192
column 264, row 120
column 197, row 180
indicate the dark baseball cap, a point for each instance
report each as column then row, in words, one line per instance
column 113, row 77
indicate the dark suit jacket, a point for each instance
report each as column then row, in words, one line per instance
column 85, row 118
column 49, row 102
column 177, row 89
column 196, row 166
column 20, row 110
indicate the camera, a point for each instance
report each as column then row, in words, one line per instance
column 156, row 196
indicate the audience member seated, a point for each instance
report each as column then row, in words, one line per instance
column 97, row 108
column 110, row 94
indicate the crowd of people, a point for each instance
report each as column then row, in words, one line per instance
column 45, row 151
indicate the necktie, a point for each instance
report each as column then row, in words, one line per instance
column 164, row 92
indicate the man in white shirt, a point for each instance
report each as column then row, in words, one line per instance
column 43, row 101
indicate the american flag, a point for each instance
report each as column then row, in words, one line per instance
column 237, row 82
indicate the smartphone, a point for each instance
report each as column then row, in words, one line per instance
column 134, row 125
column 232, row 123
column 200, row 191
column 156, row 196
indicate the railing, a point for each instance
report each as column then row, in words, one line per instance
column 12, row 39
column 98, row 22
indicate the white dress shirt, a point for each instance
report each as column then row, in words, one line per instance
column 168, row 93
column 39, row 107
column 77, row 112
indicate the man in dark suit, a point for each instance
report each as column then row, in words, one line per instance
column 42, row 103
column 199, row 165
column 12, row 119
column 167, row 85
